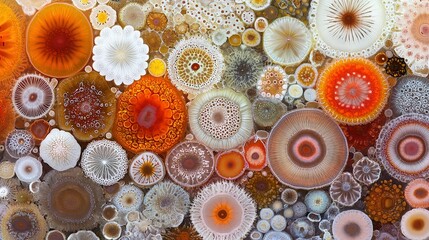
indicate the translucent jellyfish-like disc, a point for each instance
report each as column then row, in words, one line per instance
column 105, row 162
column 344, row 28
column 146, row 169
column 402, row 147
column 19, row 143
column 190, row 164
column 352, row 225
column 287, row 41
column 306, row 144
column 32, row 96
column 59, row 40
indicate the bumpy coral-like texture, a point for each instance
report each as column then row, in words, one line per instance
column 362, row 137
column 263, row 188
column 353, row 91
column 151, row 116
column 19, row 143
column 85, row 105
column 273, row 82
column 385, row 202
column 61, row 40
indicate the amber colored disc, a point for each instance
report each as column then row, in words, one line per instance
column 59, row 40
column 230, row 165
column 12, row 52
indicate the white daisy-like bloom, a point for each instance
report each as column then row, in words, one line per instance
column 60, row 150
column 29, row 7
column 102, row 16
column 223, row 211
column 344, row 28
column 84, row 4
column 411, row 35
column 120, row 55
column 105, row 162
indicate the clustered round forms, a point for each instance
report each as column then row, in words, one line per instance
column 166, row 205
column 273, row 82
column 60, row 150
column 263, row 188
column 32, row 96
column 195, row 65
column 146, row 169
column 120, row 55
column 402, row 147
column 223, row 211
column 345, row 28
column 61, row 41
column 151, row 116
column 385, row 202
column 221, row 118
column 70, row 200
column 412, row 37
column 314, row 149
column 287, row 41
column 104, row 161
column 353, row 90
column 190, row 164
column 85, row 105
column 410, row 95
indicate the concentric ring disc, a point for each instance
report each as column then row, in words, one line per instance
column 306, row 149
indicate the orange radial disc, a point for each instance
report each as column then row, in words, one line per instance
column 353, row 91
column 151, row 116
column 60, row 40
column 12, row 54
column 7, row 115
column 255, row 154
column 230, row 165
column 222, row 213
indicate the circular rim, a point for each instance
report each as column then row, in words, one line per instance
column 331, row 149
